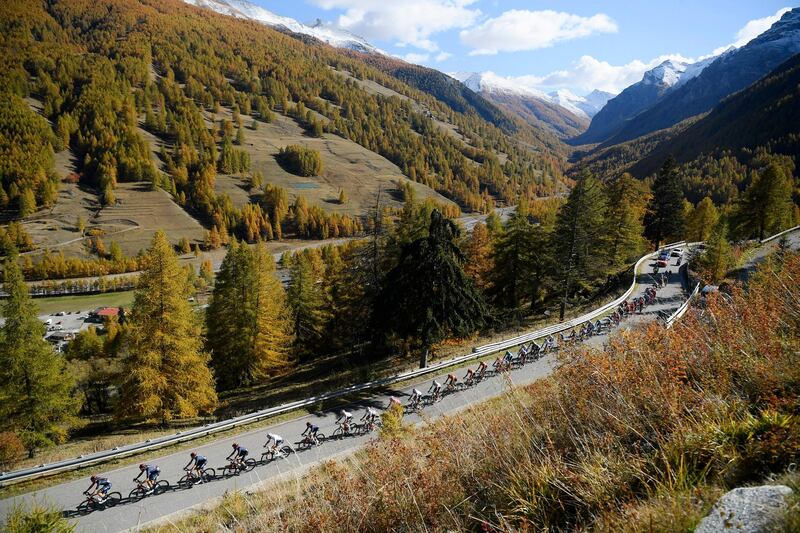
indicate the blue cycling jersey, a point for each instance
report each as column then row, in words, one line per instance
column 243, row 451
column 199, row 459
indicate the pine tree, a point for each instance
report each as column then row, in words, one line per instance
column 626, row 205
column 702, row 221
column 248, row 323
column 766, row 206
column 37, row 400
column 240, row 136
column 427, row 296
column 27, row 203
column 579, row 237
column 166, row 372
column 664, row 218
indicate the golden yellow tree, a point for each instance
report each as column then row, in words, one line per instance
column 167, row 374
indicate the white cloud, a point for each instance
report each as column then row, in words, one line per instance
column 518, row 30
column 588, row 73
column 412, row 57
column 409, row 22
column 750, row 31
column 443, row 56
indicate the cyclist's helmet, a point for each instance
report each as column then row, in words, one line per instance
column 142, row 466
column 193, row 454
column 235, row 445
column 308, row 424
column 93, row 478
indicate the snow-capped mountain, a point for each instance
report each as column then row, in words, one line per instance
column 587, row 106
column 672, row 73
column 325, row 33
column 721, row 76
column 564, row 113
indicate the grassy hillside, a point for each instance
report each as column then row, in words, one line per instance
column 157, row 92
column 640, row 436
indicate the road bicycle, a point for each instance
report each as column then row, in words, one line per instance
column 142, row 489
column 93, row 502
column 281, row 453
column 236, row 467
column 206, row 474
column 309, row 442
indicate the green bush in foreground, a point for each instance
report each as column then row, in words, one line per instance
column 37, row 519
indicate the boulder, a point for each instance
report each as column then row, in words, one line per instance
column 747, row 510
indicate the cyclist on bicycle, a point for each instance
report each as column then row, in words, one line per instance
column 311, row 432
column 238, row 455
column 394, row 401
column 103, row 486
column 482, row 366
column 370, row 416
column 195, row 466
column 469, row 377
column 451, row 381
column 436, row 389
column 507, row 358
column 276, row 439
column 345, row 418
column 151, row 473
column 415, row 398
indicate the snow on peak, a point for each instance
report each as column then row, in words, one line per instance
column 319, row 30
column 673, row 73
column 584, row 106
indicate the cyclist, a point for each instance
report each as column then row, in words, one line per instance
column 435, row 389
column 345, row 417
column 195, row 466
column 415, row 398
column 276, row 439
column 469, row 377
column 370, row 416
column 311, row 432
column 151, row 473
column 482, row 366
column 451, row 381
column 103, row 486
column 507, row 358
column 393, row 400
column 238, row 455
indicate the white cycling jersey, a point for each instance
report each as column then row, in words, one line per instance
column 347, row 415
column 415, row 392
column 371, row 411
column 277, row 438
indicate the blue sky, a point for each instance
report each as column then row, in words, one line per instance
column 579, row 45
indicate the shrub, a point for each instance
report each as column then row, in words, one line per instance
column 11, row 449
column 37, row 519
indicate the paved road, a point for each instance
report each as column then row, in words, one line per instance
column 130, row 515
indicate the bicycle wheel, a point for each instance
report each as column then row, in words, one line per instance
column 186, row 481
column 86, row 506
column 338, row 433
column 286, row 451
column 266, row 457
column 137, row 494
column 112, row 499
column 249, row 464
column 321, row 438
column 161, row 487
column 209, row 475
column 230, row 471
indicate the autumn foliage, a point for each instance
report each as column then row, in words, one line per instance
column 658, row 415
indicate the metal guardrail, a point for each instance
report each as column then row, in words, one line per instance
column 8, row 478
column 674, row 317
column 777, row 235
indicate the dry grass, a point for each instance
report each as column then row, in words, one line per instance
column 641, row 436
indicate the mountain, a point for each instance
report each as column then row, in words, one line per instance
column 587, row 106
column 767, row 112
column 655, row 84
column 333, row 36
column 535, row 107
column 731, row 72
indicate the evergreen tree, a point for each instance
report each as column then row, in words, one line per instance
column 627, row 202
column 702, row 221
column 493, row 223
column 766, row 206
column 166, row 370
column 37, row 400
column 307, row 304
column 427, row 296
column 579, row 237
column 664, row 217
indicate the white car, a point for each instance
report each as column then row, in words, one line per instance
column 676, row 253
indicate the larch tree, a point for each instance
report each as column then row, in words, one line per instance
column 718, row 257
column 766, row 206
column 702, row 221
column 427, row 296
column 248, row 322
column 626, row 203
column 166, row 370
column 478, row 251
column 579, row 237
column 37, row 398
column 307, row 304
column 664, row 217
